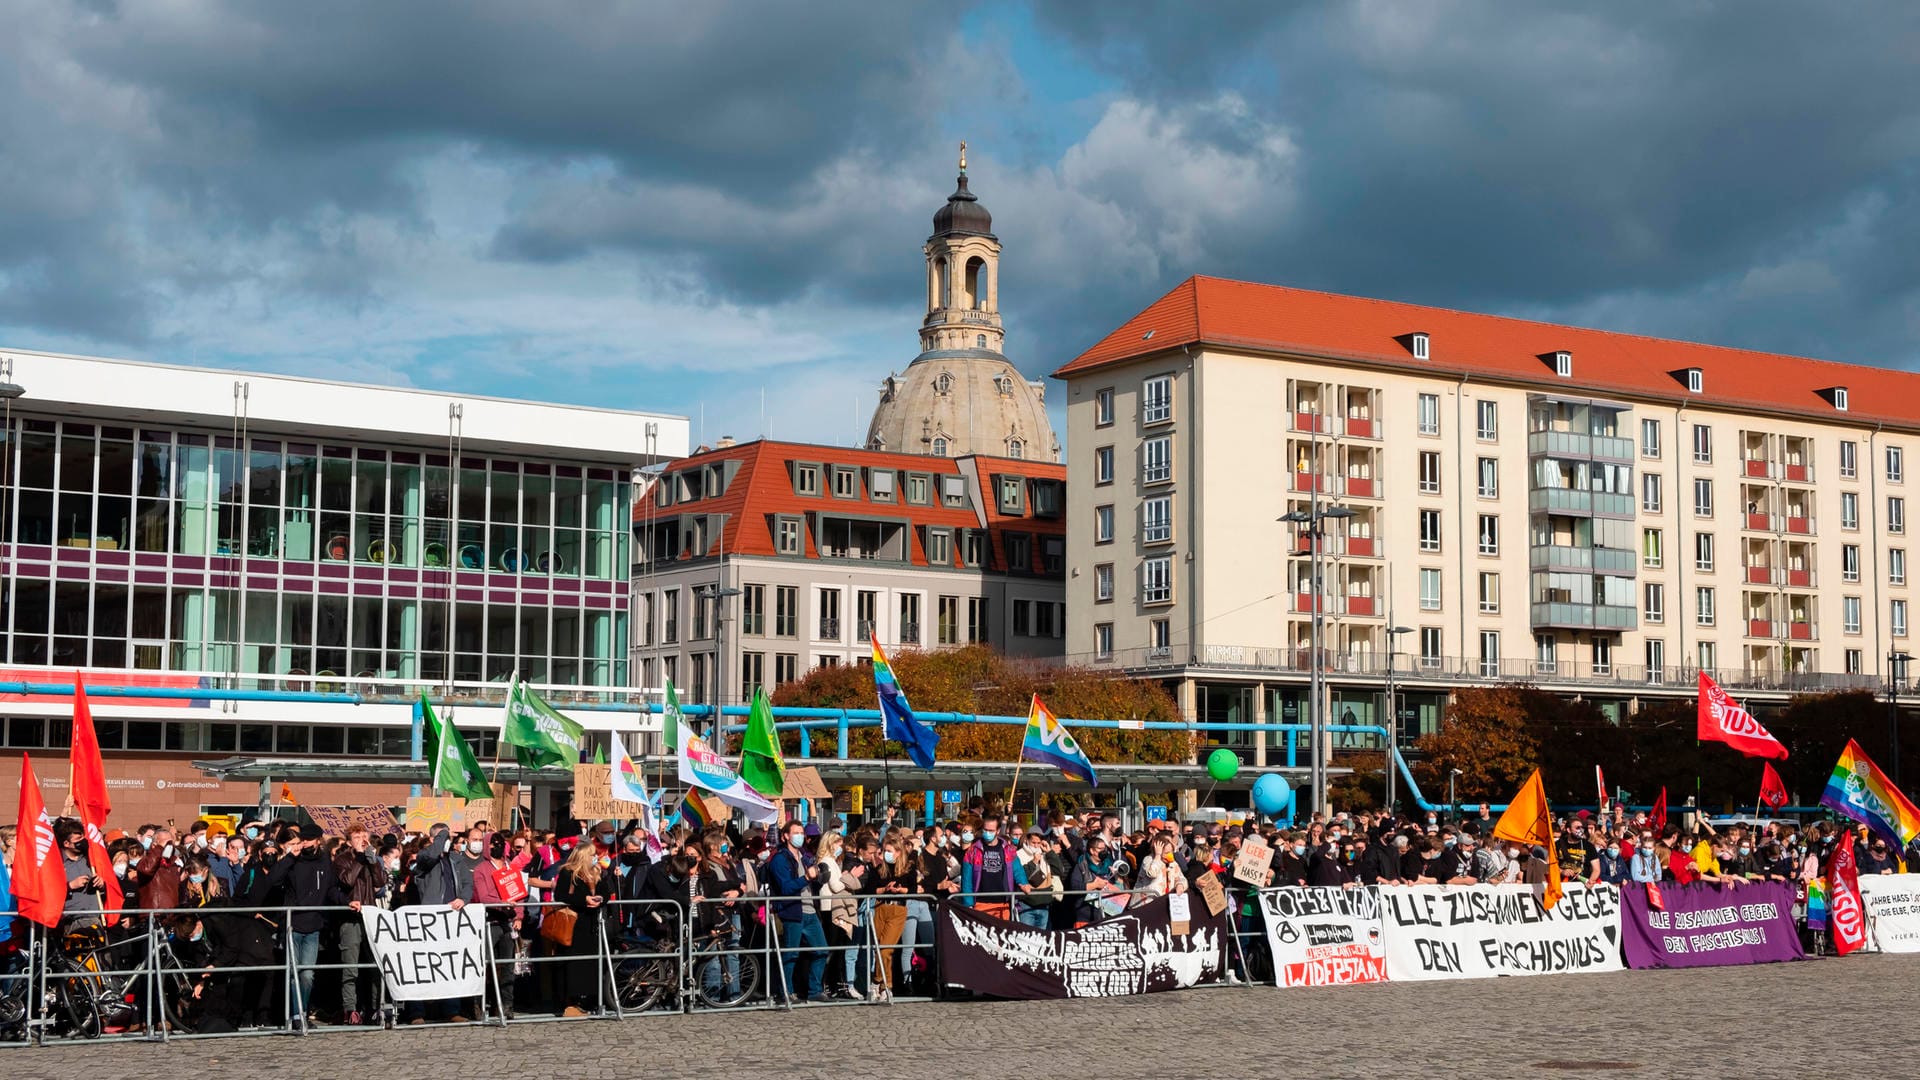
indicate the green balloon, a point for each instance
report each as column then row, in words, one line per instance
column 1223, row 764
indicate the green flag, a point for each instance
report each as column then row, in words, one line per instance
column 599, row 755
column 539, row 734
column 455, row 770
column 761, row 765
column 670, row 719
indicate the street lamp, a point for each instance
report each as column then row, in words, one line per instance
column 1896, row 678
column 1392, row 707
column 1316, row 717
column 718, row 596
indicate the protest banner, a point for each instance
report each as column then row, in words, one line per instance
column 426, row 811
column 1324, row 936
column 1893, row 911
column 593, row 795
column 1132, row 953
column 1254, row 863
column 340, row 820
column 429, row 953
column 1703, row 925
column 1478, row 931
column 497, row 812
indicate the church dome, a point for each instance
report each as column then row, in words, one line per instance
column 962, row 215
column 962, row 403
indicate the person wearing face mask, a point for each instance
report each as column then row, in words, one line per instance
column 303, row 880
column 1878, row 859
column 228, row 861
column 989, row 866
column 631, row 867
column 1097, row 870
column 1644, row 868
column 1576, row 848
column 837, row 911
column 83, row 888
column 158, row 872
column 362, row 876
column 442, row 874
column 794, row 871
column 1290, row 857
column 501, row 886
column 720, row 911
column 1608, row 865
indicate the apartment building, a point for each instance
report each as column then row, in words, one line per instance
column 1599, row 513
column 758, row 562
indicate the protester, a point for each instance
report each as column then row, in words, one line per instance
column 584, row 887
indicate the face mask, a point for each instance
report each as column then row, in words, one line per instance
column 1299, row 849
column 1613, row 850
column 198, row 933
column 392, row 865
column 146, row 842
column 796, row 841
column 837, row 850
column 197, row 879
column 966, row 836
column 119, row 868
column 1745, row 850
column 889, row 857
column 253, row 834
column 1336, row 837
column 1449, row 841
column 474, row 846
column 606, row 838
column 989, row 834
column 1431, row 820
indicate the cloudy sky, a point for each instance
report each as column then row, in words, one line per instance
column 684, row 206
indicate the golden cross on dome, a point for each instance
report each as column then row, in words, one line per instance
column 963, row 155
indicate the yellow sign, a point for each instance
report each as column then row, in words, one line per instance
column 857, row 796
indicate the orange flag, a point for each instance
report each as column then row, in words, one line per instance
column 39, row 874
column 1527, row 820
column 88, row 787
column 286, row 794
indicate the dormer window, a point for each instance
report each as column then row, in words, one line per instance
column 1420, row 347
column 1837, row 395
column 1563, row 364
column 943, row 383
column 1003, row 384
column 1692, row 378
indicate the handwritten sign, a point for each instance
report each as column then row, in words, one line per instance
column 497, row 812
column 341, row 820
column 1212, row 892
column 426, row 811
column 427, row 953
column 1254, row 863
column 804, row 782
column 1179, row 911
column 593, row 795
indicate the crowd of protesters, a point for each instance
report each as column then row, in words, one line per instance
column 853, row 911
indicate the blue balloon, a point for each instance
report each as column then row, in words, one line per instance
column 1270, row 794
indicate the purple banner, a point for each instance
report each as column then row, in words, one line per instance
column 1708, row 925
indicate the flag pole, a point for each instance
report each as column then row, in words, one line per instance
column 500, row 741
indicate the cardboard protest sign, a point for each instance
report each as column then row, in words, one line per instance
column 1212, row 892
column 426, row 811
column 803, row 782
column 593, row 795
column 341, row 820
column 1254, row 864
column 497, row 812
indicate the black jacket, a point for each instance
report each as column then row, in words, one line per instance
column 305, row 881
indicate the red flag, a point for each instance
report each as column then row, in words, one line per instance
column 89, row 791
column 1657, row 817
column 1600, row 782
column 1723, row 721
column 1772, row 791
column 1846, row 915
column 39, row 874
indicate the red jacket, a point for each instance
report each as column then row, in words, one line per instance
column 159, row 879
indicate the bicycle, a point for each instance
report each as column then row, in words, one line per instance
column 644, row 983
column 86, row 1000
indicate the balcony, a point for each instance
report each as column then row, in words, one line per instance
column 1757, row 467
column 1763, row 575
column 1798, row 474
column 1584, row 616
column 1758, row 522
column 1764, row 628
column 1363, row 427
column 829, row 629
column 864, row 629
column 1800, row 631
column 909, row 633
column 1363, row 605
column 1567, row 557
column 1312, row 422
column 1800, row 579
column 1364, row 546
column 1329, row 605
column 1572, row 444
column 1308, row 482
column 1560, row 500
column 1802, row 526
column 1361, row 486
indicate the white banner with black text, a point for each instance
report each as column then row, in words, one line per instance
column 1324, row 936
column 1478, row 931
column 429, row 953
column 1893, row 911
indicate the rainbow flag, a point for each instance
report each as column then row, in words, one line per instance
column 1817, row 904
column 1859, row 790
column 698, row 811
column 1049, row 743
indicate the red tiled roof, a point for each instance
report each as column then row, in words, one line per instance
column 763, row 488
column 1273, row 318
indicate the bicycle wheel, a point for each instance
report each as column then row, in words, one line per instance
column 75, row 999
column 643, row 984
column 716, row 990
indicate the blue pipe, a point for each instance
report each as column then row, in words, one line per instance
column 183, row 693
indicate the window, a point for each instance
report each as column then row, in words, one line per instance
column 1850, row 562
column 806, row 479
column 953, row 491
column 1850, row 614
column 1103, row 582
column 846, row 482
column 977, row 622
column 1156, row 519
column 1703, row 444
column 917, row 489
column 1156, row 400
column 1896, row 566
column 1490, row 654
column 1103, row 465
column 827, row 601
column 947, row 619
column 1103, row 406
column 1650, row 438
column 1489, row 594
column 880, row 485
column 1429, row 589
column 1703, row 606
column 1602, row 656
column 753, row 609
column 866, row 616
column 1704, row 655
column 1897, row 618
column 1429, row 472
column 1563, row 364
column 1703, row 498
column 1651, row 553
column 1544, row 656
column 786, row 668
column 1856, row 661
column 1650, row 492
column 939, row 547
column 1429, row 414
column 702, row 616
column 669, row 616
column 1489, row 487
column 1019, row 553
column 1159, row 637
column 1489, row 534
column 1430, row 647
column 1896, row 465
column 1012, row 491
column 1696, row 381
column 1156, row 580
column 1840, row 398
column 1103, row 641
column 1849, row 510
column 943, row 384
column 1896, row 514
column 1103, row 524
column 1849, row 460
column 786, row 611
column 910, row 618
column 787, row 535
column 1421, row 347
column 1487, row 423
column 1656, row 608
column 1156, row 460
column 753, row 673
column 1656, row 660
column 972, row 546
column 1703, row 551
column 1429, row 530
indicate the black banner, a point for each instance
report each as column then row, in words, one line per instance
column 1135, row 952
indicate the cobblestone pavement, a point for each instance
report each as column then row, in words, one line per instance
column 1539, row 1028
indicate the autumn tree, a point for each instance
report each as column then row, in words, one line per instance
column 1487, row 734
